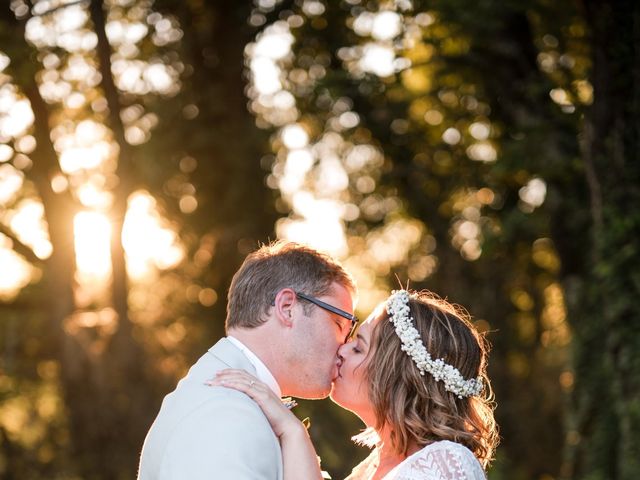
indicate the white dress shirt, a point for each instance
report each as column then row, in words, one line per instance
column 262, row 372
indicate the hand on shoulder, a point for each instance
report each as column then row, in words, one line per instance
column 281, row 419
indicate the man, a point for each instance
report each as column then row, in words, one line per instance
column 289, row 309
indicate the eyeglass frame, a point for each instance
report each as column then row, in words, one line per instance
column 330, row 308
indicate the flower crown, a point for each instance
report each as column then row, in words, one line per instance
column 399, row 315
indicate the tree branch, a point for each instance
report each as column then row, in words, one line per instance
column 19, row 247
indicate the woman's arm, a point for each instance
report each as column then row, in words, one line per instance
column 298, row 454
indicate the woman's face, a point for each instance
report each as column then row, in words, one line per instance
column 350, row 388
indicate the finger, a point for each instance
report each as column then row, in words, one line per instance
column 239, row 379
column 261, row 394
column 232, row 370
column 248, row 379
column 239, row 382
column 237, row 374
column 232, row 374
column 236, row 384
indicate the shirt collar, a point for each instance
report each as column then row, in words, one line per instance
column 262, row 372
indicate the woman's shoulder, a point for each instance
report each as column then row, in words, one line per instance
column 448, row 446
column 442, row 460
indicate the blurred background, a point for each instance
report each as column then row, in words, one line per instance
column 486, row 150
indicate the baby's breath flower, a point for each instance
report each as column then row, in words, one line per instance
column 399, row 315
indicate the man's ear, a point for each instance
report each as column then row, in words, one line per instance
column 283, row 306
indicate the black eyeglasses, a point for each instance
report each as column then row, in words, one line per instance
column 330, row 308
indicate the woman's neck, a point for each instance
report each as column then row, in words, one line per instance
column 388, row 457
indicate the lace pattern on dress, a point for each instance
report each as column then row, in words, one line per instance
column 442, row 460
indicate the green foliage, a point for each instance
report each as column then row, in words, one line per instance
column 500, row 101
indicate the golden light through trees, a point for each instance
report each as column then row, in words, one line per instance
column 147, row 146
column 84, row 144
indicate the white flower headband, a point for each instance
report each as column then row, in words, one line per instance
column 399, row 315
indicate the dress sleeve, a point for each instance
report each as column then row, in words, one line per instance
column 442, row 461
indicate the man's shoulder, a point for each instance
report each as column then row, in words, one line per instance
column 199, row 424
column 221, row 401
column 193, row 398
column 204, row 422
column 191, row 389
column 224, row 410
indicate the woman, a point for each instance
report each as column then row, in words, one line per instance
column 415, row 374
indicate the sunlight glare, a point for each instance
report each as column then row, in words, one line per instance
column 266, row 75
column 299, row 162
column 86, row 148
column 275, row 43
column 363, row 23
column 332, row 178
column 70, row 18
column 386, row 25
column 92, row 233
column 29, row 226
column 392, row 241
column 11, row 181
column 147, row 242
column 4, row 61
column 78, row 158
column 534, row 192
column 161, row 78
column 93, row 197
column 378, row 59
column 479, row 130
column 125, row 32
column 19, row 118
column 6, row 152
column 294, row 136
column 482, row 152
column 321, row 226
column 15, row 273
column 451, row 136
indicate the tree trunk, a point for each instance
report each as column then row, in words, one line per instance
column 604, row 442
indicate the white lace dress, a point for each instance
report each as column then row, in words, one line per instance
column 442, row 460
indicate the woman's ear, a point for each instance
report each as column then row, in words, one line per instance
column 283, row 306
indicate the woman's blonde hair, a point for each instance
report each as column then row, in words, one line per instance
column 418, row 409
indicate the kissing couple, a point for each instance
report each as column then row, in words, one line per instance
column 414, row 372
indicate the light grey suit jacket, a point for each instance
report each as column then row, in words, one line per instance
column 207, row 432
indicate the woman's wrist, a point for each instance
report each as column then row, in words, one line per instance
column 294, row 429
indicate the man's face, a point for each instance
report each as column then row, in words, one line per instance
column 320, row 334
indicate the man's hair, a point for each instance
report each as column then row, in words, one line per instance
column 418, row 409
column 276, row 266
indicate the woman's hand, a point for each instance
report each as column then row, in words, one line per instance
column 281, row 419
column 299, row 458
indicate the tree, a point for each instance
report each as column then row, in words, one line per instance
column 110, row 360
column 485, row 115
